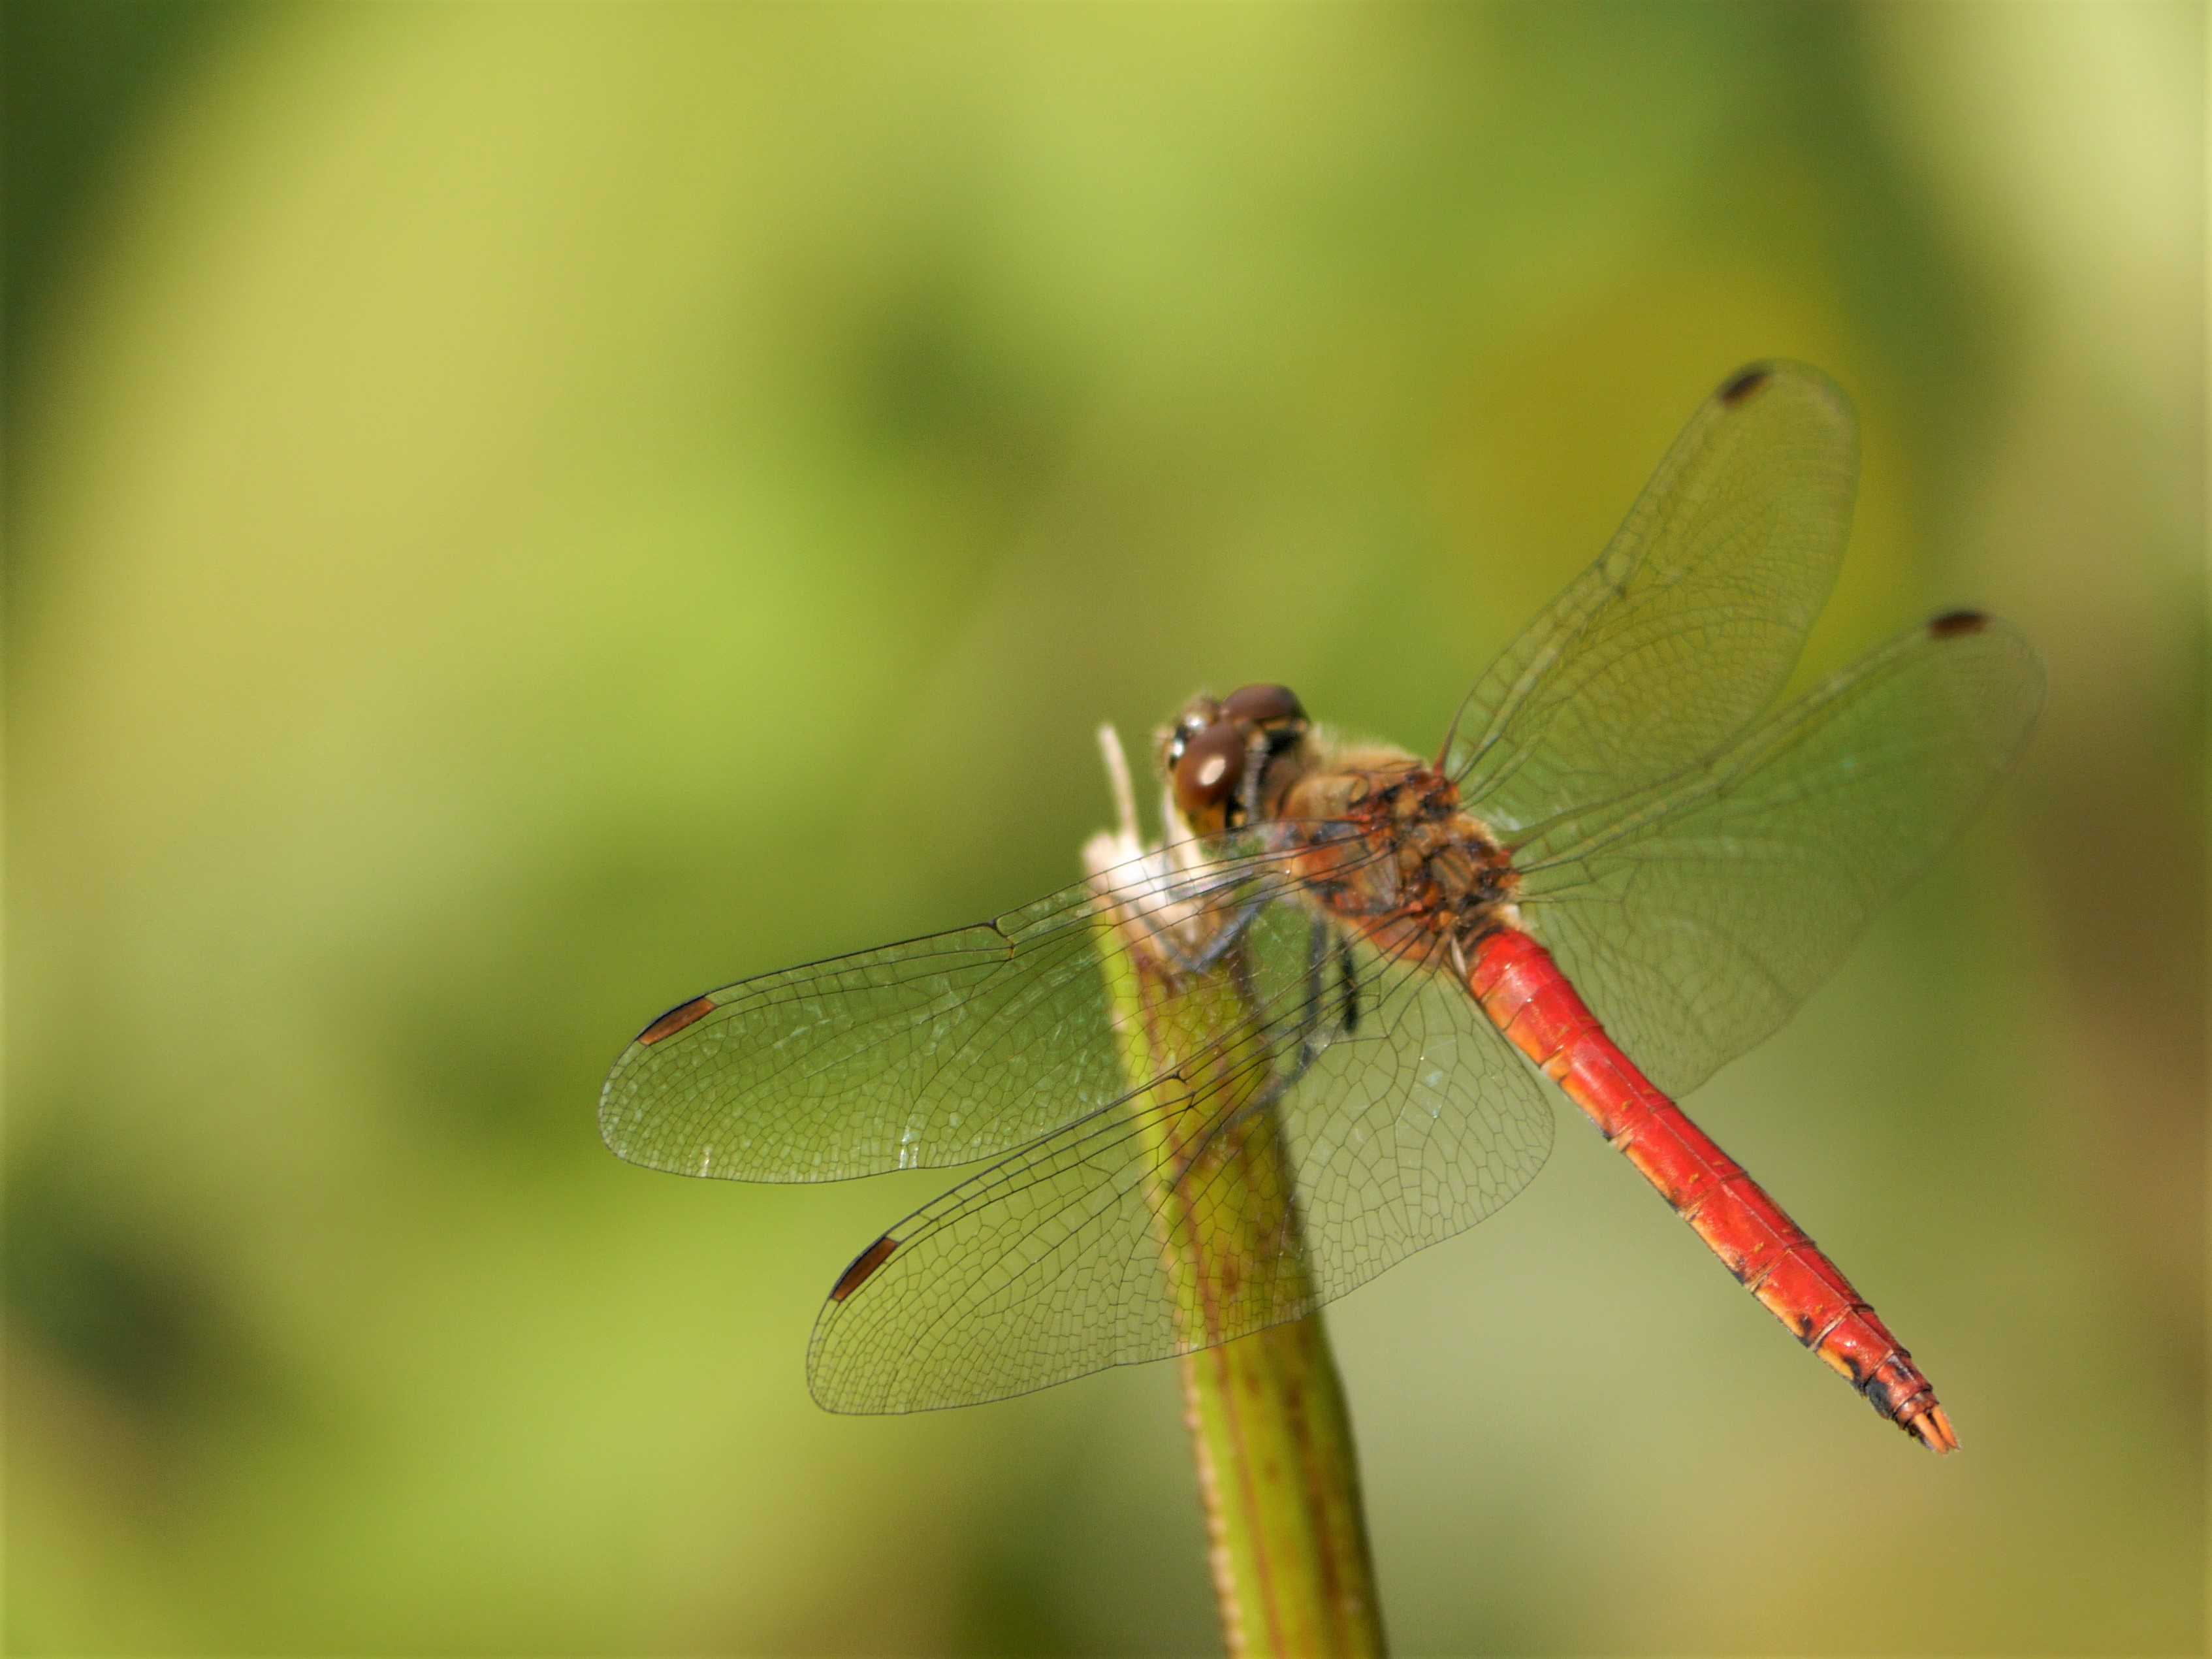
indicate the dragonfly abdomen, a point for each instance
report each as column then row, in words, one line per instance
column 1526, row 996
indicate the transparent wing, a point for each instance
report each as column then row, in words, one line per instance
column 941, row 1050
column 1696, row 915
column 1676, row 639
column 1413, row 1122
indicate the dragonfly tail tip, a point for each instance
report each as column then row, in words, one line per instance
column 1934, row 1428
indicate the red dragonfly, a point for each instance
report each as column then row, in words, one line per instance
column 1620, row 871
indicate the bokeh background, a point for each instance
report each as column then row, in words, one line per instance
column 517, row 515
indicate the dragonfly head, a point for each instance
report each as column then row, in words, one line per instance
column 1230, row 760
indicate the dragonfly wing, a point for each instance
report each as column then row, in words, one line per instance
column 1695, row 917
column 1412, row 1122
column 942, row 1050
column 1413, row 1126
column 1686, row 628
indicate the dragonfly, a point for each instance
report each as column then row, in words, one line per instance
column 1626, row 863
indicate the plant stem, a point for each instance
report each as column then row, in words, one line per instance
column 1269, row 1429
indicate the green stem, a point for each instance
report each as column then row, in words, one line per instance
column 1269, row 1428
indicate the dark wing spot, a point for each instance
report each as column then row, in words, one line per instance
column 863, row 1265
column 1745, row 382
column 1952, row 623
column 676, row 1018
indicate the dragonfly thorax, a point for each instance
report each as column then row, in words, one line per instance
column 1392, row 852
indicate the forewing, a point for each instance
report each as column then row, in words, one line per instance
column 1686, row 628
column 1414, row 1123
column 1697, row 915
column 942, row 1050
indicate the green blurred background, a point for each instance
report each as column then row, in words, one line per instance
column 518, row 514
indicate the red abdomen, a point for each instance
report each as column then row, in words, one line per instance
column 1526, row 997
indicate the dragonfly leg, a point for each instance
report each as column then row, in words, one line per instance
column 1191, row 964
column 1347, row 987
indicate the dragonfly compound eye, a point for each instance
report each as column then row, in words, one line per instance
column 1272, row 709
column 1208, row 775
column 1198, row 714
